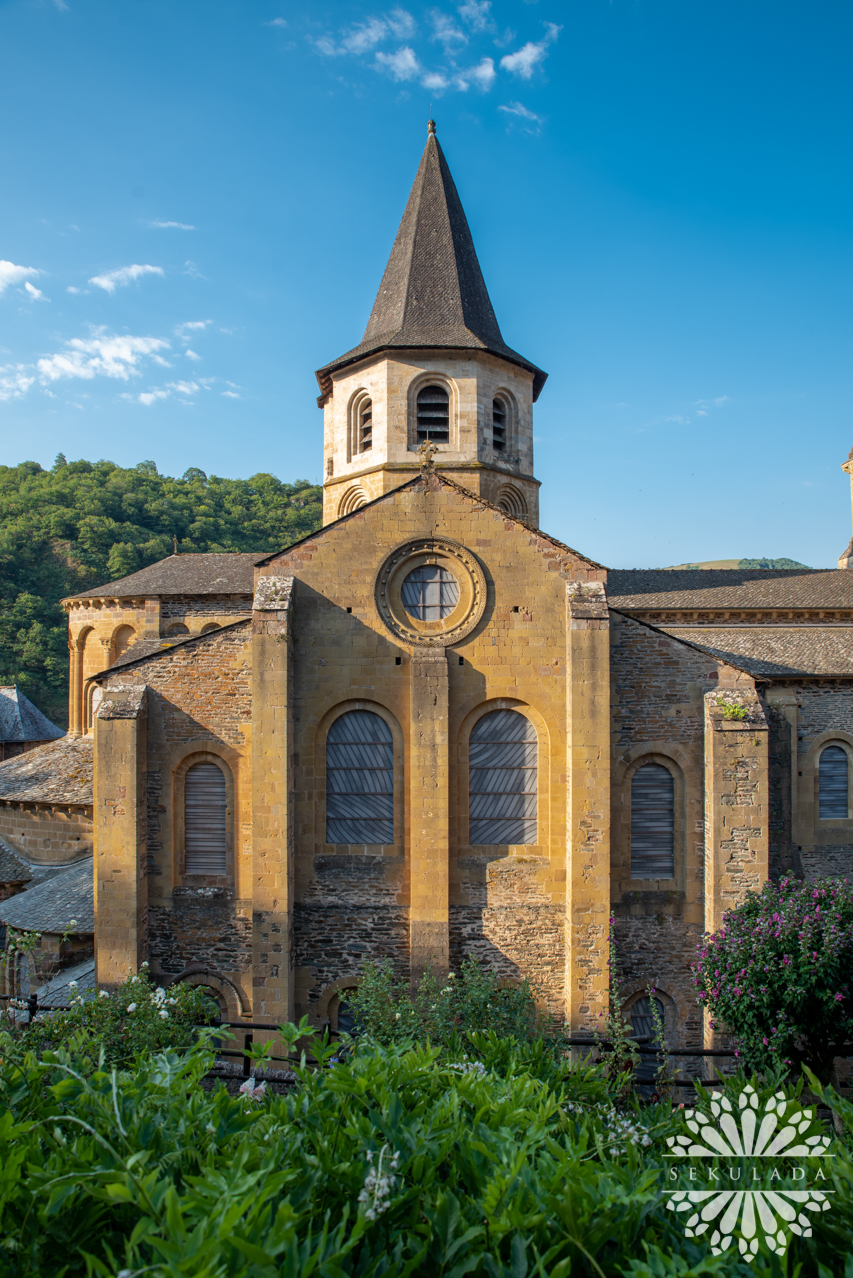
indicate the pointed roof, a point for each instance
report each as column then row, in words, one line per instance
column 432, row 293
column 21, row 721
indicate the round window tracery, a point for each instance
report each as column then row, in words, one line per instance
column 430, row 593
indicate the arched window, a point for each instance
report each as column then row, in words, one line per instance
column 365, row 425
column 645, row 1023
column 359, row 780
column 177, row 629
column 433, row 415
column 652, row 823
column 503, row 779
column 498, row 425
column 205, row 820
column 124, row 638
column 832, row 784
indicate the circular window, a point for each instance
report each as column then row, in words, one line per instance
column 430, row 593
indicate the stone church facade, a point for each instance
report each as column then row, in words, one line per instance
column 429, row 730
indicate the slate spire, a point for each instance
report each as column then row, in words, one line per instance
column 433, row 294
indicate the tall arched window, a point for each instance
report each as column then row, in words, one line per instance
column 433, row 415
column 205, row 820
column 498, row 425
column 832, row 784
column 365, row 425
column 503, row 779
column 652, row 823
column 359, row 780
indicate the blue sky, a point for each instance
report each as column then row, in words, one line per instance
column 199, row 200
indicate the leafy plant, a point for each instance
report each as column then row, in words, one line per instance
column 732, row 709
column 777, row 975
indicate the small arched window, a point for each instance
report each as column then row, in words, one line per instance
column 647, row 1014
column 652, row 823
column 433, row 407
column 124, row 638
column 205, row 820
column 365, row 425
column 503, row 779
column 176, row 630
column 359, row 780
column 498, row 425
column 833, row 784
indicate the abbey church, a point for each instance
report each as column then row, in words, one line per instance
column 430, row 731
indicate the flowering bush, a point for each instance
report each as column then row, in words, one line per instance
column 138, row 1016
column 778, row 974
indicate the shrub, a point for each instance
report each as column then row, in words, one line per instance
column 778, row 974
column 387, row 1011
column 137, row 1017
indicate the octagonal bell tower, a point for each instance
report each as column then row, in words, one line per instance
column 432, row 368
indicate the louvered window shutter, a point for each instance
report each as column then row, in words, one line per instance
column 205, row 820
column 503, row 779
column 652, row 823
column 359, row 780
column 832, row 783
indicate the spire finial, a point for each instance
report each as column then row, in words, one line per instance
column 430, row 124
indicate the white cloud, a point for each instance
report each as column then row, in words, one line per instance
column 402, row 65
column 476, row 14
column 179, row 226
column 15, row 381
column 192, row 270
column 276, row 22
column 184, row 388
column 111, row 280
column 365, row 36
column 150, row 397
column 191, row 355
column 191, row 326
column 434, row 80
column 482, row 76
column 530, row 122
column 72, row 289
column 36, row 295
column 446, row 31
column 527, row 58
column 12, row 274
column 106, row 356
column 704, row 404
column 230, row 394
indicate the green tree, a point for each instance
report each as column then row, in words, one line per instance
column 83, row 524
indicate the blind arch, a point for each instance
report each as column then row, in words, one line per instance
column 503, row 779
column 832, row 782
column 652, row 823
column 205, row 820
column 359, row 779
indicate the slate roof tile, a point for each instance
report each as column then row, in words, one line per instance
column 775, row 649
column 729, row 588
column 51, row 905
column 59, row 772
column 20, row 720
column 203, row 574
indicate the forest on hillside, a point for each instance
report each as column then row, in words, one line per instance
column 82, row 524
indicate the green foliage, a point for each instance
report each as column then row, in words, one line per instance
column 778, row 974
column 396, row 1163
column 84, row 524
column 771, row 563
column 386, row 1010
column 137, row 1017
column 732, row 709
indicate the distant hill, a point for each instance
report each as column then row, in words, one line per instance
column 741, row 563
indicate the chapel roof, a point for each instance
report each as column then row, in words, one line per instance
column 20, row 720
column 432, row 295
column 12, row 867
column 50, row 907
column 226, row 573
column 635, row 589
column 59, row 772
column 775, row 650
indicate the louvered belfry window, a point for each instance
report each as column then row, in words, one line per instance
column 503, row 779
column 433, row 415
column 652, row 823
column 498, row 425
column 365, row 426
column 359, row 780
column 205, row 820
column 832, row 784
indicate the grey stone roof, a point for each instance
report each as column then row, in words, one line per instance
column 12, row 868
column 21, row 721
column 729, row 588
column 59, row 772
column 776, row 650
column 432, row 294
column 52, row 905
column 56, row 993
column 213, row 574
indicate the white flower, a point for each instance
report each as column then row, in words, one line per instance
column 145, row 964
column 251, row 1092
column 451, row 976
column 164, row 1015
column 72, row 922
column 131, row 1007
column 173, row 1001
column 210, row 1128
column 72, row 985
column 103, row 993
column 397, row 1016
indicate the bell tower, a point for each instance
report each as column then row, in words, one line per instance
column 431, row 369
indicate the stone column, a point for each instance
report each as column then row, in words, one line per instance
column 588, row 802
column 429, row 814
column 121, row 886
column 75, row 690
column 272, row 799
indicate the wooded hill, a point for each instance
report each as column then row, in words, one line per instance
column 83, row 524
